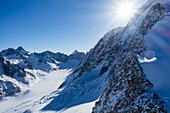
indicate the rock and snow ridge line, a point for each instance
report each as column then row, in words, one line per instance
column 20, row 68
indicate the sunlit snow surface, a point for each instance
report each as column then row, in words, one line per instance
column 29, row 100
column 41, row 88
column 36, row 91
column 158, row 72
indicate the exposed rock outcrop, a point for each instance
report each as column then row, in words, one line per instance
column 8, row 88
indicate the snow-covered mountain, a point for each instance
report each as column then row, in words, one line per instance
column 126, row 72
column 19, row 67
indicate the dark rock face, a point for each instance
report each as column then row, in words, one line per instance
column 8, row 88
column 127, row 91
column 19, row 71
column 1, row 58
column 11, row 69
column 6, row 68
column 5, row 65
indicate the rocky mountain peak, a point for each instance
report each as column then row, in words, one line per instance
column 76, row 55
column 9, row 51
column 20, row 48
column 74, row 52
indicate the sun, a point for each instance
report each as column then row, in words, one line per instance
column 115, row 13
column 125, row 9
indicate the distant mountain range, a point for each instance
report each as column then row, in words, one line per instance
column 14, row 63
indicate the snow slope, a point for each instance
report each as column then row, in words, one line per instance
column 44, row 88
column 36, row 91
column 158, row 71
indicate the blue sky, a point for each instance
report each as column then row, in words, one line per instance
column 56, row 25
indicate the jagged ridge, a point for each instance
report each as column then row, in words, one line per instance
column 116, row 58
